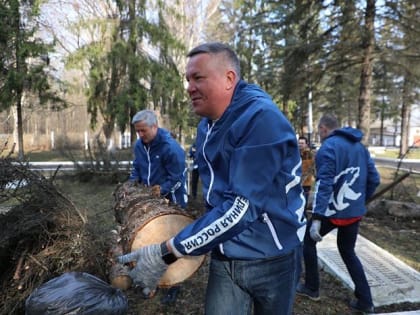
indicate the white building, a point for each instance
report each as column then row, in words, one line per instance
column 392, row 131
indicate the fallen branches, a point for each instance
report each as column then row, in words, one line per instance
column 42, row 235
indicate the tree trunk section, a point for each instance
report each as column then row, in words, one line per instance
column 146, row 220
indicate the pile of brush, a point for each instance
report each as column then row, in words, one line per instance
column 42, row 235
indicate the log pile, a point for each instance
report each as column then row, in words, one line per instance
column 143, row 220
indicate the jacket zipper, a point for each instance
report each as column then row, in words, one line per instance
column 209, row 129
column 267, row 220
column 147, row 149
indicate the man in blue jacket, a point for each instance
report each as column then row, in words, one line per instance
column 160, row 163
column 159, row 160
column 250, row 168
column 346, row 177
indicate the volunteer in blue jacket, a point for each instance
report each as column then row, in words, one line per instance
column 346, row 177
column 159, row 159
column 250, row 168
column 160, row 163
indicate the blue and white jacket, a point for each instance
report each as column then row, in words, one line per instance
column 162, row 163
column 346, row 176
column 250, row 168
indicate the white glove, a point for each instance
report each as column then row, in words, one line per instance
column 149, row 268
column 314, row 231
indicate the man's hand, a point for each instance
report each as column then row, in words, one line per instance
column 149, row 268
column 156, row 191
column 314, row 231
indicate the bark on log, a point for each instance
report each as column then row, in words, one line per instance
column 118, row 274
column 146, row 220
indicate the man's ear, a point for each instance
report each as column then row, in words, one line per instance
column 230, row 79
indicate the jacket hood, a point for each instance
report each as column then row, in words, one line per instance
column 353, row 134
column 252, row 91
column 162, row 135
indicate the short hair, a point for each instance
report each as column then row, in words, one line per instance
column 218, row 48
column 303, row 138
column 329, row 121
column 146, row 115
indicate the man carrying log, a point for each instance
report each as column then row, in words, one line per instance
column 249, row 165
column 159, row 162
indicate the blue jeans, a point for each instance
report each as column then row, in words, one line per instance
column 346, row 241
column 238, row 286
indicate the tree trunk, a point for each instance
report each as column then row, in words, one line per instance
column 19, row 122
column 405, row 119
column 381, row 130
column 20, row 69
column 366, row 73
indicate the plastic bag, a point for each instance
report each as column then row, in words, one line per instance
column 76, row 293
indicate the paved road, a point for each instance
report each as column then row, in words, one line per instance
column 406, row 164
column 68, row 165
column 412, row 165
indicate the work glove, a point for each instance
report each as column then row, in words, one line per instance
column 314, row 231
column 149, row 268
column 156, row 191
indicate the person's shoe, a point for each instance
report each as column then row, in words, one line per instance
column 355, row 305
column 171, row 295
column 304, row 291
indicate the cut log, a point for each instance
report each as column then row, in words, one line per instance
column 146, row 220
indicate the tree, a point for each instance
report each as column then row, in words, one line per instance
column 410, row 66
column 309, row 51
column 190, row 22
column 368, row 43
column 400, row 52
column 24, row 62
column 386, row 91
column 132, row 53
column 133, row 69
column 342, row 61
